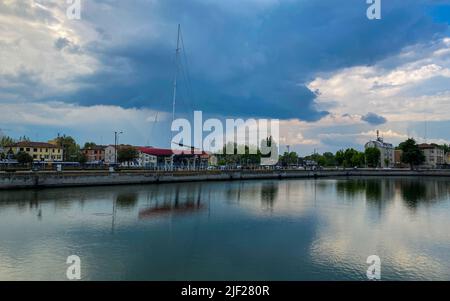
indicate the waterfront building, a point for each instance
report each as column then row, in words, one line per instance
column 94, row 153
column 434, row 155
column 156, row 157
column 387, row 151
column 110, row 154
column 146, row 158
column 39, row 151
column 398, row 157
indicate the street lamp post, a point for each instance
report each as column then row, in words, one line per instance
column 116, row 140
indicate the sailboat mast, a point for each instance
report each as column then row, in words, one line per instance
column 177, row 56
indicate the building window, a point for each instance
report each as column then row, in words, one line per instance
column 28, row 149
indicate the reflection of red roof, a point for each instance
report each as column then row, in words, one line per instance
column 168, row 209
column 161, row 152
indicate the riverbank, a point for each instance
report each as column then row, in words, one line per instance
column 23, row 180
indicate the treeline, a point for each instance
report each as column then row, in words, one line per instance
column 347, row 158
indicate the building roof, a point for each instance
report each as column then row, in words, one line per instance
column 161, row 152
column 428, row 146
column 95, row 147
column 381, row 143
column 34, row 144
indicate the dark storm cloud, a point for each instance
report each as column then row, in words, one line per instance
column 373, row 119
column 245, row 59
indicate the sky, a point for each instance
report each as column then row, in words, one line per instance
column 332, row 76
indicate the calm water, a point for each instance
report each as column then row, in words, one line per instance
column 267, row 230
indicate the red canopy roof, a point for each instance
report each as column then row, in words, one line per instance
column 159, row 152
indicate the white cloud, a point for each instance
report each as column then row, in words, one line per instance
column 87, row 123
column 62, row 114
column 28, row 35
column 414, row 90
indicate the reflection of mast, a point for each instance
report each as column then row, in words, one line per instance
column 113, row 217
column 177, row 55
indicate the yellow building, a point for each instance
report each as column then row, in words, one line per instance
column 39, row 151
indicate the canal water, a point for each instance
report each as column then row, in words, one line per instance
column 321, row 229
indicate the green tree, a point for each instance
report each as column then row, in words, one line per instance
column 412, row 154
column 349, row 157
column 358, row 159
column 24, row 138
column 71, row 150
column 127, row 154
column 82, row 158
column 289, row 158
column 373, row 156
column 6, row 141
column 89, row 144
column 24, row 158
column 329, row 159
column 340, row 157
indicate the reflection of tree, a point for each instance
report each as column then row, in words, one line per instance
column 414, row 192
column 269, row 192
column 126, row 200
column 374, row 190
column 350, row 188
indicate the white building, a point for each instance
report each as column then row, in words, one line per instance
column 146, row 159
column 434, row 155
column 387, row 151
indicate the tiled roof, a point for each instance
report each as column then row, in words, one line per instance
column 156, row 151
column 428, row 146
column 95, row 147
column 34, row 144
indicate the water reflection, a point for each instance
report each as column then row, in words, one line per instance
column 269, row 193
column 379, row 192
column 127, row 200
column 320, row 229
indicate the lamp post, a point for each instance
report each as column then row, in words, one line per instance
column 116, row 140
